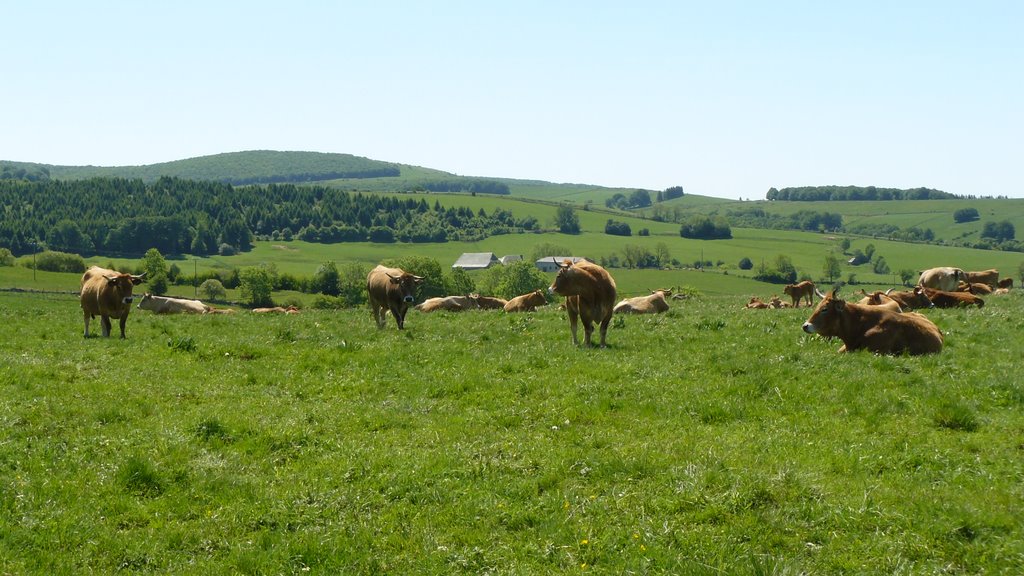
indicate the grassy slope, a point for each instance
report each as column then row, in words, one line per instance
column 486, row 443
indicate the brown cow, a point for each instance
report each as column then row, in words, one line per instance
column 879, row 330
column 943, row 299
column 944, row 278
column 655, row 303
column 799, row 291
column 489, row 302
column 879, row 299
column 589, row 292
column 776, row 303
column 1006, row 283
column 526, row 302
column 989, row 277
column 213, row 310
column 447, row 304
column 107, row 294
column 391, row 290
column 911, row 299
column 166, row 305
column 974, row 288
column 756, row 304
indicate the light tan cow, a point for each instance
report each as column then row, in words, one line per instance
column 943, row 278
column 989, row 277
column 447, row 304
column 655, row 303
column 167, row 305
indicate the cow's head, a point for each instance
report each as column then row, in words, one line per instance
column 920, row 299
column 826, row 318
column 563, row 279
column 145, row 298
column 406, row 283
column 122, row 285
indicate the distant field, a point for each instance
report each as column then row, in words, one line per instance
column 710, row 440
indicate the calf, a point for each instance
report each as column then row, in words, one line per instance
column 800, row 291
column 876, row 329
column 756, row 304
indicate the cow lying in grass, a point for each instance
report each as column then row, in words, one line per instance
column 874, row 328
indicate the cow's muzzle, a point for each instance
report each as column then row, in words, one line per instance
column 409, row 299
column 809, row 328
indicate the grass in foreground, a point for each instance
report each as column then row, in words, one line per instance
column 708, row 440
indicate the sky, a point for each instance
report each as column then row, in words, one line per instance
column 724, row 98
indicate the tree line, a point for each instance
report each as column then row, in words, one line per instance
column 865, row 193
column 175, row 216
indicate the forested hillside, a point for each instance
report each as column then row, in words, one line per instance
column 115, row 215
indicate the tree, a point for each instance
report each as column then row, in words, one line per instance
column 965, row 215
column 616, row 228
column 352, row 283
column 745, row 263
column 545, row 249
column 673, row 192
column 326, row 280
column 640, row 199
column 869, row 251
column 832, row 268
column 457, row 281
column 998, row 231
column 566, row 220
column 212, row 289
column 881, row 266
column 6, row 257
column 906, row 275
column 520, row 278
column 155, row 267
column 844, row 245
column 67, row 236
column 662, row 255
column 256, row 286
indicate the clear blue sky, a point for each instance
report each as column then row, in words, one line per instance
column 723, row 98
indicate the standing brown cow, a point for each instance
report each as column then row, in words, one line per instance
column 799, row 291
column 391, row 289
column 589, row 292
column 107, row 294
column 879, row 330
column 990, row 277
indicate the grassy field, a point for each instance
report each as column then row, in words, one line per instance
column 710, row 440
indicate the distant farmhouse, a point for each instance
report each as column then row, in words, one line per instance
column 551, row 263
column 483, row 260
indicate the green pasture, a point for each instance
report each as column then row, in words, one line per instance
column 709, row 440
column 807, row 251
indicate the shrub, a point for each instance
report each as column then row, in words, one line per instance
column 745, row 263
column 226, row 249
column 6, row 258
column 212, row 289
column 616, row 228
column 965, row 215
column 51, row 261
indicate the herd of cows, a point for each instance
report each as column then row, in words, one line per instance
column 882, row 322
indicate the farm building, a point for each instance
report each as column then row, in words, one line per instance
column 550, row 263
column 476, row 260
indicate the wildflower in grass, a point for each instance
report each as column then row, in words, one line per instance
column 584, row 542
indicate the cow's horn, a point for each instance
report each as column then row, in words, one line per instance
column 818, row 292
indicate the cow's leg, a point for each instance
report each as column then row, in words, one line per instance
column 87, row 318
column 399, row 315
column 124, row 320
column 105, row 322
column 572, row 324
column 604, row 329
column 588, row 329
column 378, row 315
